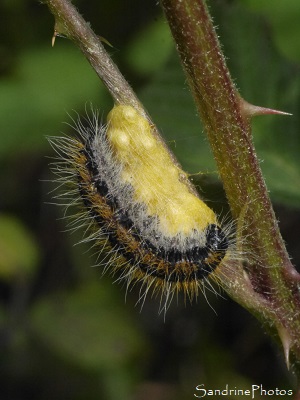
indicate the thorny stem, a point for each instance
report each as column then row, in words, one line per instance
column 268, row 287
column 271, row 292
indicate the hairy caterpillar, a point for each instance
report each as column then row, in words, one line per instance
column 139, row 205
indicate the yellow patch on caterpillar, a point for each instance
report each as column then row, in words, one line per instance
column 138, row 205
column 149, row 168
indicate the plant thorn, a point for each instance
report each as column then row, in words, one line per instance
column 251, row 110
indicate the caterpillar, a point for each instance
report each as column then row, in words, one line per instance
column 139, row 205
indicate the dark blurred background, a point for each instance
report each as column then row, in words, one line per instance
column 66, row 332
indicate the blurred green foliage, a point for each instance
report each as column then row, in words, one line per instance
column 283, row 18
column 66, row 334
column 23, row 262
column 28, row 96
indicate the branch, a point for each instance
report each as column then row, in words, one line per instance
column 270, row 289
